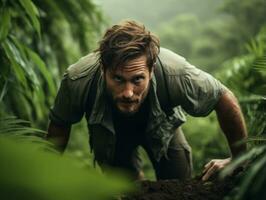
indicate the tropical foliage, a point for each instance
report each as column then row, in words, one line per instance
column 209, row 41
column 250, row 70
column 27, row 172
column 35, row 38
column 39, row 39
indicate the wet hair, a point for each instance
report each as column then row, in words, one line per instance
column 126, row 41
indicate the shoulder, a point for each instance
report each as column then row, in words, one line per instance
column 84, row 67
column 78, row 78
column 172, row 63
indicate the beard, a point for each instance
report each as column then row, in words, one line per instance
column 134, row 102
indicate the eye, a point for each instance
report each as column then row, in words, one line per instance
column 117, row 78
column 138, row 79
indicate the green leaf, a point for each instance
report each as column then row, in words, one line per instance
column 29, row 173
column 242, row 159
column 256, row 139
column 32, row 12
column 14, row 125
column 21, row 130
column 260, row 65
column 16, row 62
column 40, row 99
column 43, row 69
column 28, row 67
column 12, row 119
column 34, row 58
column 250, row 175
column 261, row 90
column 18, row 129
column 5, row 23
column 4, row 91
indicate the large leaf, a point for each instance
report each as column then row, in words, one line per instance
column 32, row 12
column 16, row 62
column 250, row 175
column 26, row 63
column 4, row 91
column 12, row 126
column 43, row 69
column 248, row 156
column 29, row 173
column 5, row 23
column 260, row 64
column 35, row 66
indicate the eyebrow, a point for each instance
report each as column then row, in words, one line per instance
column 139, row 74
column 131, row 78
column 119, row 74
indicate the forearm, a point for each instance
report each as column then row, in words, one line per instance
column 58, row 135
column 232, row 122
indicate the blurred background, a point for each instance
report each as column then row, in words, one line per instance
column 40, row 39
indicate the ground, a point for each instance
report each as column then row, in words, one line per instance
column 193, row 189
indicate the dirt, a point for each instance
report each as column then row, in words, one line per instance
column 193, row 189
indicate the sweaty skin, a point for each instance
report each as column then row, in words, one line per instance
column 128, row 85
column 233, row 125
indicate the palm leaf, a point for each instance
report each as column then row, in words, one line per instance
column 20, row 129
column 32, row 12
column 4, row 91
column 248, row 183
column 247, row 157
column 16, row 62
column 5, row 23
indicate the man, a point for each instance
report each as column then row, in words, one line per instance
column 133, row 93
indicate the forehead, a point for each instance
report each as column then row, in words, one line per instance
column 137, row 65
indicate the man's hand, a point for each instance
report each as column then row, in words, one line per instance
column 214, row 166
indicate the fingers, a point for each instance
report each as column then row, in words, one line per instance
column 213, row 166
column 210, row 171
column 208, row 165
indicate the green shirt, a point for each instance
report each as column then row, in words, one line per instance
column 190, row 89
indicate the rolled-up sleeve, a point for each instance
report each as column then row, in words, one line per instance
column 199, row 92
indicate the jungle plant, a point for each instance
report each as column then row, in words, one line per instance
column 38, row 40
column 31, row 169
column 248, row 78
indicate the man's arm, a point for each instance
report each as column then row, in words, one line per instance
column 58, row 135
column 233, row 125
column 232, row 122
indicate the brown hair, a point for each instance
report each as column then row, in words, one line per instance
column 125, row 41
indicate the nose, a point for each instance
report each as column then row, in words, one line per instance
column 128, row 91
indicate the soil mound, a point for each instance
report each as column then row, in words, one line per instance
column 193, row 189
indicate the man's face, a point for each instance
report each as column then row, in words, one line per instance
column 128, row 85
